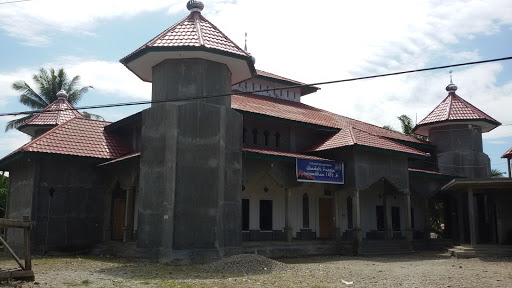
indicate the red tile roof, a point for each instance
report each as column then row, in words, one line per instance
column 120, row 159
column 352, row 131
column 193, row 31
column 429, row 172
column 280, row 153
column 77, row 137
column 507, row 154
column 454, row 108
column 304, row 90
column 54, row 114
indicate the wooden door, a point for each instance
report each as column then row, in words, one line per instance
column 326, row 217
column 118, row 220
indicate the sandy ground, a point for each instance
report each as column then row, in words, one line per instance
column 426, row 269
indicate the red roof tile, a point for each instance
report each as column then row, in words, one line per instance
column 352, row 131
column 454, row 108
column 281, row 153
column 56, row 113
column 507, row 154
column 193, row 31
column 77, row 137
column 117, row 160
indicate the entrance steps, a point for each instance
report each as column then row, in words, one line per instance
column 464, row 251
column 383, row 247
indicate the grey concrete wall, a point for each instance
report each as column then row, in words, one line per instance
column 190, row 168
column 20, row 196
column 371, row 166
column 504, row 216
column 71, row 217
column 184, row 79
column 459, row 151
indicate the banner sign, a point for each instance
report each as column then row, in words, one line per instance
column 319, row 171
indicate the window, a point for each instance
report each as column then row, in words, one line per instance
column 350, row 215
column 266, row 215
column 245, row 214
column 254, row 136
column 380, row 218
column 266, row 137
column 305, row 210
column 244, row 135
column 278, row 139
column 395, row 218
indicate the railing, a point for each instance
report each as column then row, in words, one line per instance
column 25, row 271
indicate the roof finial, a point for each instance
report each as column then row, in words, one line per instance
column 451, row 88
column 245, row 48
column 195, row 6
column 62, row 94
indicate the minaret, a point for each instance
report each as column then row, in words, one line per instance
column 191, row 161
column 455, row 127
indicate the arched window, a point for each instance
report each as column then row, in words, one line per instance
column 305, row 210
column 349, row 213
column 254, row 136
column 278, row 139
column 265, row 133
column 244, row 135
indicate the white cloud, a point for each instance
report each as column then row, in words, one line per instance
column 11, row 140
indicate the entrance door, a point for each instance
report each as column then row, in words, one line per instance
column 326, row 217
column 395, row 218
column 119, row 217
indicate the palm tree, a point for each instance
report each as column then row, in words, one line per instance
column 407, row 126
column 49, row 83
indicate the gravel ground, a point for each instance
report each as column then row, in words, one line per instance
column 426, row 269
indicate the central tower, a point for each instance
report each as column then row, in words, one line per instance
column 190, row 167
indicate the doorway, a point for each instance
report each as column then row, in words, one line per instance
column 395, row 218
column 326, row 217
column 119, row 219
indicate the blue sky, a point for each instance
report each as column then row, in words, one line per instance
column 309, row 41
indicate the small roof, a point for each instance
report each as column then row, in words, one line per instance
column 54, row 114
column 479, row 184
column 507, row 154
column 454, row 109
column 76, row 137
column 304, row 90
column 192, row 37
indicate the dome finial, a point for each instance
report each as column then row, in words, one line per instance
column 195, row 6
column 62, row 94
column 451, row 88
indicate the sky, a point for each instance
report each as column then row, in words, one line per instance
column 309, row 41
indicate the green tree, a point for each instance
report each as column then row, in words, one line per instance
column 48, row 84
column 407, row 126
column 495, row 173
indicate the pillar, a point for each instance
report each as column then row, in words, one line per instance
column 388, row 231
column 408, row 224
column 426, row 228
column 460, row 214
column 471, row 213
column 357, row 231
column 288, row 230
column 508, row 160
column 337, row 229
column 107, row 212
column 129, row 215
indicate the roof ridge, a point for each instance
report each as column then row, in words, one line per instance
column 199, row 31
column 387, row 139
column 224, row 35
column 450, row 105
column 44, row 135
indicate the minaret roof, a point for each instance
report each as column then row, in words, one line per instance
column 189, row 38
column 58, row 112
column 457, row 110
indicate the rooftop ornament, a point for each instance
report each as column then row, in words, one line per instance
column 451, row 88
column 62, row 94
column 195, row 6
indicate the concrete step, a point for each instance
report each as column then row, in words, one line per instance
column 480, row 251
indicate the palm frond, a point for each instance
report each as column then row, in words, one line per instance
column 76, row 95
column 27, row 92
column 14, row 124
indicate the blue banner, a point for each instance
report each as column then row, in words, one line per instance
column 319, row 171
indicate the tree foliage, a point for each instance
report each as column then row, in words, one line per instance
column 49, row 83
column 495, row 173
column 407, row 126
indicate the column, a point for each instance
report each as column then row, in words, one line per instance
column 460, row 214
column 288, row 233
column 426, row 228
column 508, row 160
column 129, row 215
column 107, row 222
column 408, row 224
column 388, row 231
column 471, row 213
column 358, row 233
column 337, row 233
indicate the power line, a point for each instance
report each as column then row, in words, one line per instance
column 259, row 91
column 9, row 2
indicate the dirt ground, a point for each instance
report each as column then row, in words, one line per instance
column 426, row 269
